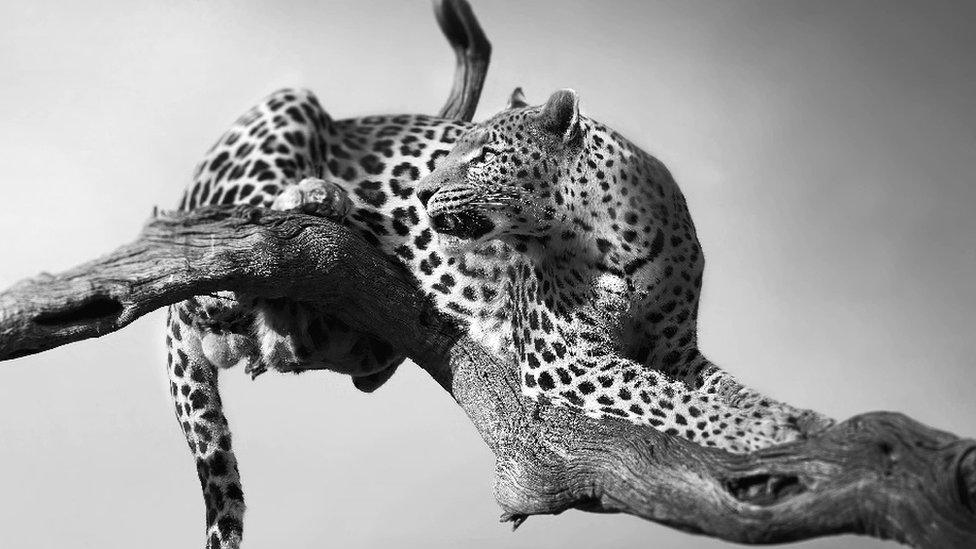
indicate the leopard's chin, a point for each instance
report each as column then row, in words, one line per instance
column 452, row 245
column 463, row 224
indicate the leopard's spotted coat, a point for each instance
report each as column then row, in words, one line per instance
column 559, row 244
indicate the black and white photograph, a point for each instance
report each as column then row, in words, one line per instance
column 490, row 274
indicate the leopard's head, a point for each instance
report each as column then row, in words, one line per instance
column 509, row 177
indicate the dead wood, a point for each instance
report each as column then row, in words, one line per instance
column 880, row 474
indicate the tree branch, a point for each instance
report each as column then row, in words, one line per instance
column 880, row 474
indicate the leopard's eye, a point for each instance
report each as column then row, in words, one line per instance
column 488, row 156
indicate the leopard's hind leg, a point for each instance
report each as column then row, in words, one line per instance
column 194, row 388
column 272, row 157
column 209, row 333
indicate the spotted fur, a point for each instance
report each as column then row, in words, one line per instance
column 585, row 243
column 561, row 246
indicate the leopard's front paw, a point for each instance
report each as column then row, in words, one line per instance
column 315, row 196
column 811, row 423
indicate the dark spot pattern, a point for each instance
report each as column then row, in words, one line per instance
column 585, row 270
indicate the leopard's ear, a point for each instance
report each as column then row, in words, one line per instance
column 560, row 115
column 517, row 100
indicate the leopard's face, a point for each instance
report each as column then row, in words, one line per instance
column 506, row 177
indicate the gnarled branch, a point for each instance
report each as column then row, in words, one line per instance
column 879, row 474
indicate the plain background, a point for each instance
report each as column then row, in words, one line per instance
column 826, row 151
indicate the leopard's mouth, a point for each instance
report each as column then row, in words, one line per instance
column 465, row 224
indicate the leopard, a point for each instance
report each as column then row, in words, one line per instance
column 561, row 247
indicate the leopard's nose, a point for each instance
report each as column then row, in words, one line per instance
column 424, row 195
column 440, row 178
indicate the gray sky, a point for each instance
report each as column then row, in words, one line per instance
column 826, row 150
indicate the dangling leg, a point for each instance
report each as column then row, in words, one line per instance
column 267, row 149
column 194, row 388
column 274, row 145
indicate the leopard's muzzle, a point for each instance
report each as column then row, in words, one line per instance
column 453, row 211
column 467, row 224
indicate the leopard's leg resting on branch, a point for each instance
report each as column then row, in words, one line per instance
column 702, row 375
column 609, row 385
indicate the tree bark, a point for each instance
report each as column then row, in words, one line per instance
column 880, row 474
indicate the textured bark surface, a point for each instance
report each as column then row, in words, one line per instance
column 880, row 474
